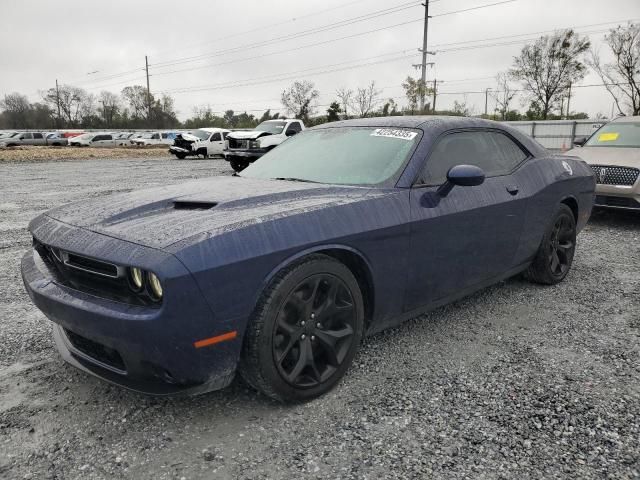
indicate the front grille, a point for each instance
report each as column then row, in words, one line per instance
column 88, row 275
column 95, row 350
column 606, row 175
column 237, row 143
column 622, row 202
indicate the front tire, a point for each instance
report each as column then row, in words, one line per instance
column 237, row 165
column 181, row 156
column 304, row 331
column 555, row 254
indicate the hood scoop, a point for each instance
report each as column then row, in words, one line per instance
column 193, row 205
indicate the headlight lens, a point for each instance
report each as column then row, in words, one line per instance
column 254, row 144
column 155, row 288
column 137, row 278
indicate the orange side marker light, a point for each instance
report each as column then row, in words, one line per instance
column 217, row 339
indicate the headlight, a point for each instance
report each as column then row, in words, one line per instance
column 155, row 288
column 137, row 278
column 254, row 144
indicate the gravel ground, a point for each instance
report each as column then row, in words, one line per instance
column 518, row 380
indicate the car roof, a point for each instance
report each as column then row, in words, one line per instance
column 211, row 130
column 438, row 124
column 632, row 119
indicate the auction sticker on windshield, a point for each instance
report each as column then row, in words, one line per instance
column 608, row 137
column 394, row 133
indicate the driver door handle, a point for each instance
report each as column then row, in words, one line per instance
column 513, row 189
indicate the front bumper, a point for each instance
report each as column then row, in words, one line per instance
column 148, row 349
column 243, row 155
column 618, row 196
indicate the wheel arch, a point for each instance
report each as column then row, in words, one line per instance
column 572, row 203
column 354, row 260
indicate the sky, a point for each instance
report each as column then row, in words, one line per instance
column 241, row 55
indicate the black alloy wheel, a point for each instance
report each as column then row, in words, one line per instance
column 561, row 246
column 304, row 331
column 554, row 257
column 314, row 330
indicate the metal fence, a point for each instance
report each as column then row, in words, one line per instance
column 557, row 135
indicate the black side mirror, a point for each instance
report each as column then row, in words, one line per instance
column 463, row 176
column 579, row 141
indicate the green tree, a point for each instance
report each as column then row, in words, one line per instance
column 414, row 89
column 549, row 66
column 333, row 112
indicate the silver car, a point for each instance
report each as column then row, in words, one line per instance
column 613, row 153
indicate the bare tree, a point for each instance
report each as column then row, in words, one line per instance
column 345, row 95
column 16, row 108
column 503, row 94
column 75, row 103
column 299, row 98
column 549, row 66
column 622, row 77
column 136, row 98
column 110, row 106
column 366, row 99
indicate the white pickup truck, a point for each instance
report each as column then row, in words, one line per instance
column 207, row 142
column 243, row 148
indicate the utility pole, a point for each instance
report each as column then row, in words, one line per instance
column 486, row 101
column 435, row 88
column 569, row 101
column 58, row 102
column 424, row 53
column 146, row 67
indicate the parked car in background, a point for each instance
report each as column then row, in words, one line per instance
column 94, row 140
column 57, row 139
column 124, row 138
column 613, row 153
column 155, row 138
column 244, row 148
column 344, row 230
column 5, row 135
column 204, row 141
column 24, row 138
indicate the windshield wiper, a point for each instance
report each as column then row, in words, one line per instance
column 292, row 179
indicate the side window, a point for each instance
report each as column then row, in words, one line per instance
column 155, row 136
column 293, row 129
column 216, row 137
column 493, row 152
column 224, row 135
column 26, row 136
column 37, row 135
column 97, row 138
column 108, row 137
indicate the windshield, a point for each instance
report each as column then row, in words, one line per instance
column 616, row 134
column 201, row 134
column 271, row 127
column 350, row 156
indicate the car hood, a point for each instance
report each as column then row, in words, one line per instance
column 252, row 135
column 618, row 156
column 161, row 216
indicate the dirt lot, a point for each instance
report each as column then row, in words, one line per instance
column 516, row 381
column 36, row 154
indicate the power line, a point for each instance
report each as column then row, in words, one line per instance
column 312, row 31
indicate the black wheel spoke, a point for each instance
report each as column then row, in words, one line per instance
column 331, row 341
column 555, row 261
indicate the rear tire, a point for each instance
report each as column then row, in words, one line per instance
column 181, row 156
column 304, row 331
column 555, row 254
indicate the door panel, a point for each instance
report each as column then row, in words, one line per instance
column 468, row 237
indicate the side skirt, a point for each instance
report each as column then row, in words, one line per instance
column 391, row 322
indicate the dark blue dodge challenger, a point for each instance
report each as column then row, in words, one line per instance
column 343, row 230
